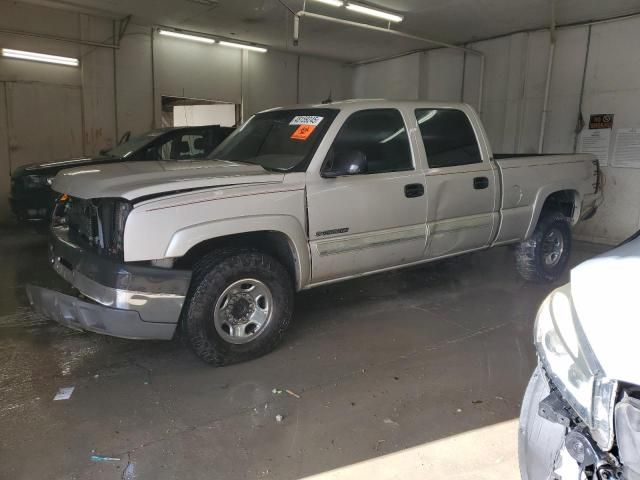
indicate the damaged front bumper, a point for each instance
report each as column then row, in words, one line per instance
column 122, row 300
column 556, row 444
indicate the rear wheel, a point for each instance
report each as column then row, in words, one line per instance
column 240, row 305
column 544, row 257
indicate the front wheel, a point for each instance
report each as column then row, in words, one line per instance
column 544, row 257
column 240, row 305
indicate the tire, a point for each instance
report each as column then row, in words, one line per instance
column 534, row 261
column 539, row 440
column 239, row 306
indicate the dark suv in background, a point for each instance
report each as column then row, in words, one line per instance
column 31, row 197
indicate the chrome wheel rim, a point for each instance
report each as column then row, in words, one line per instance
column 552, row 248
column 243, row 311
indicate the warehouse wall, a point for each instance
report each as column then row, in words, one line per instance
column 514, row 86
column 82, row 110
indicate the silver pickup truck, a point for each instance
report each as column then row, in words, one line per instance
column 296, row 198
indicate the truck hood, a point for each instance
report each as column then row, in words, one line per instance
column 606, row 299
column 133, row 180
column 53, row 167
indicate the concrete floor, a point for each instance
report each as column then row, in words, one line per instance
column 412, row 374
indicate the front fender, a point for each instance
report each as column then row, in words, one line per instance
column 186, row 238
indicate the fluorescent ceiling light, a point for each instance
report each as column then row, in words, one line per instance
column 392, row 17
column 40, row 57
column 243, row 46
column 334, row 3
column 184, row 36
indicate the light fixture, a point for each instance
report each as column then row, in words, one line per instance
column 333, row 3
column 40, row 57
column 184, row 36
column 243, row 46
column 392, row 17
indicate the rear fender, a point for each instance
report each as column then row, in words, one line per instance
column 541, row 197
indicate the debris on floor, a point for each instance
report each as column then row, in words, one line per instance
column 293, row 394
column 279, row 418
column 103, row 458
column 129, row 472
column 276, row 391
column 64, row 393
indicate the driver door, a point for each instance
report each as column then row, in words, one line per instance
column 375, row 218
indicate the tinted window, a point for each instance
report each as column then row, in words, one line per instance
column 379, row 136
column 129, row 147
column 448, row 138
column 280, row 139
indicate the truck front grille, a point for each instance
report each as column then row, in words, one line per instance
column 83, row 222
column 95, row 224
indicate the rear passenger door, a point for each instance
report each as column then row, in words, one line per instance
column 462, row 189
column 375, row 219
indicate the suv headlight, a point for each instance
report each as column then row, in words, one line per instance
column 38, row 181
column 572, row 366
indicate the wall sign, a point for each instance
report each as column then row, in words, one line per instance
column 601, row 121
column 626, row 152
column 596, row 142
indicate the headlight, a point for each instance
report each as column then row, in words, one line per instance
column 113, row 213
column 569, row 361
column 37, row 181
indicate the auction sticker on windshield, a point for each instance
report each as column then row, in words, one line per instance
column 306, row 120
column 303, row 132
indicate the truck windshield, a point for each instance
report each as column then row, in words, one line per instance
column 282, row 140
column 136, row 143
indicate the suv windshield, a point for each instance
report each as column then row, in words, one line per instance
column 136, row 143
column 277, row 140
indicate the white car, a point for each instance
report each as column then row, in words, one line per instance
column 580, row 416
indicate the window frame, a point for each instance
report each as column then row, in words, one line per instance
column 412, row 153
column 474, row 129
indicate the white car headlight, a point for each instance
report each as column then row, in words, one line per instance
column 570, row 363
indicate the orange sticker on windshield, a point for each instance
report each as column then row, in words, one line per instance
column 303, row 132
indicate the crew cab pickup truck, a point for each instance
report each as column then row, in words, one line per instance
column 296, row 198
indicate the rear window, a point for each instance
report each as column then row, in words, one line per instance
column 278, row 140
column 448, row 137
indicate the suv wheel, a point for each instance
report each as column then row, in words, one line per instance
column 240, row 305
column 544, row 257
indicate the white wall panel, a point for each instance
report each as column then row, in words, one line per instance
column 269, row 80
column 441, row 75
column 134, row 81
column 195, row 70
column 320, row 78
column 98, row 94
column 398, row 78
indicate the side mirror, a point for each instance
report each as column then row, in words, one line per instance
column 345, row 163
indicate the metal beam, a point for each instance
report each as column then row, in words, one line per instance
column 59, row 39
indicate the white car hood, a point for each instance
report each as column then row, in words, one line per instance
column 133, row 180
column 607, row 300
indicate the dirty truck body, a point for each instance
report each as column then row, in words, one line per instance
column 299, row 197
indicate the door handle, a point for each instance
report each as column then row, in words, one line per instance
column 480, row 183
column 414, row 190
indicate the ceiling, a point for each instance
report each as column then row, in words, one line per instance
column 269, row 22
